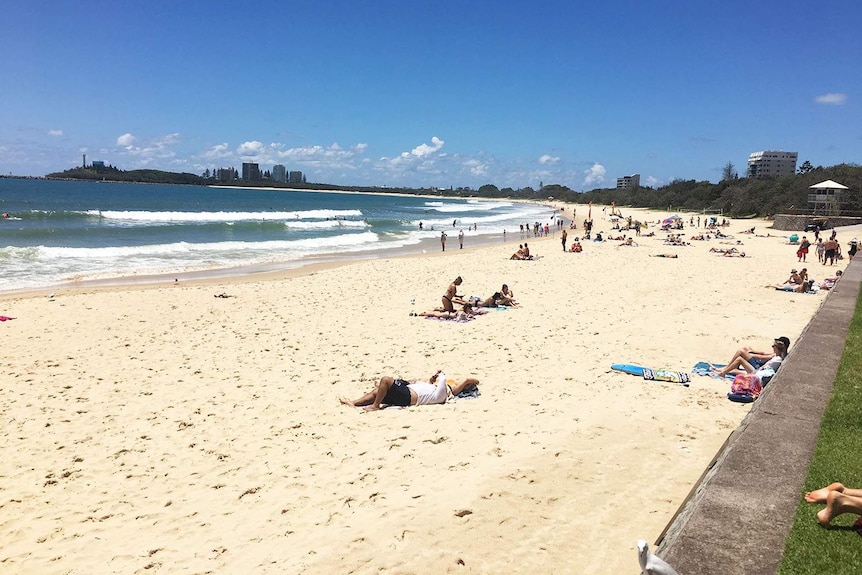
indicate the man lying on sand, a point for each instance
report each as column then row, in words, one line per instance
column 392, row 391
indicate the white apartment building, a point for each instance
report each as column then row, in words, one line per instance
column 629, row 182
column 772, row 163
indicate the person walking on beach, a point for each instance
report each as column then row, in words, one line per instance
column 443, row 240
column 831, row 250
column 461, row 239
column 564, row 240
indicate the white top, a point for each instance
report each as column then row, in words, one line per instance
column 429, row 393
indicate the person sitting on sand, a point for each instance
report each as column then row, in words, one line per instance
column 829, row 283
column 402, row 393
column 507, row 296
column 838, row 499
column 628, row 242
column 577, row 247
column 747, row 360
column 794, row 278
column 451, row 297
column 518, row 255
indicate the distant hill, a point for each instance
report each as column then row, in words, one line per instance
column 112, row 174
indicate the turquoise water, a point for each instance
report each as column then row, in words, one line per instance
column 57, row 232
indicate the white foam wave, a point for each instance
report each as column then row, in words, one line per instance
column 144, row 216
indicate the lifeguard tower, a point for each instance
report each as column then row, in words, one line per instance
column 827, row 198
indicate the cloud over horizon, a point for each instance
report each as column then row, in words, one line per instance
column 832, row 98
column 594, row 175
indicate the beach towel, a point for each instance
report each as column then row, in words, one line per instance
column 705, row 368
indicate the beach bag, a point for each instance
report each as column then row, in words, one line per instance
column 746, row 384
column 765, row 374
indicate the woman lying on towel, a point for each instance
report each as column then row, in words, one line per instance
column 467, row 312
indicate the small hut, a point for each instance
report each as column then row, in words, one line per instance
column 827, row 198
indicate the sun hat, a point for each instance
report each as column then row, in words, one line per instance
column 793, row 271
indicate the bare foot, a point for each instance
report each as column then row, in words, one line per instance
column 371, row 407
column 835, row 506
column 345, row 401
column 820, row 495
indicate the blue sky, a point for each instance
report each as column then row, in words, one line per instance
column 444, row 93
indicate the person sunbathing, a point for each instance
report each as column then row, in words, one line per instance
column 628, row 242
column 804, row 287
column 493, row 301
column 829, row 283
column 747, row 360
column 838, row 499
column 467, row 312
column 402, row 393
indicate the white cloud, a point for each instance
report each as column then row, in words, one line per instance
column 55, row 132
column 252, row 148
column 595, row 175
column 168, row 140
column 125, row 140
column 546, row 159
column 476, row 167
column 217, row 151
column 424, row 149
column 651, row 181
column 834, row 99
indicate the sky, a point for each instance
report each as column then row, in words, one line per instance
column 450, row 93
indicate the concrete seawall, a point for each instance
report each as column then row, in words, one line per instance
column 737, row 517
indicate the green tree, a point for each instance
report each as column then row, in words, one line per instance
column 729, row 172
column 805, row 167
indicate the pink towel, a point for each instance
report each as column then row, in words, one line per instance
column 5, row 317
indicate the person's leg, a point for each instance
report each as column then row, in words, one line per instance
column 458, row 388
column 819, row 495
column 838, row 503
column 447, row 305
column 372, row 397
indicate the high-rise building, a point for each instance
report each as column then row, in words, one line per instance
column 250, row 171
column 225, row 175
column 629, row 182
column 295, row 177
column 279, row 174
column 771, row 163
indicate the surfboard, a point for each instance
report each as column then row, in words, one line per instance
column 629, row 368
column 650, row 374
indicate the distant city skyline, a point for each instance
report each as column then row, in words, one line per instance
column 449, row 94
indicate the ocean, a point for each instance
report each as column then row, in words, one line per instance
column 62, row 233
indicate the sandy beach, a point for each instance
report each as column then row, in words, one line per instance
column 162, row 429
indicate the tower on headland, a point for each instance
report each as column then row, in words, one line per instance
column 84, row 165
